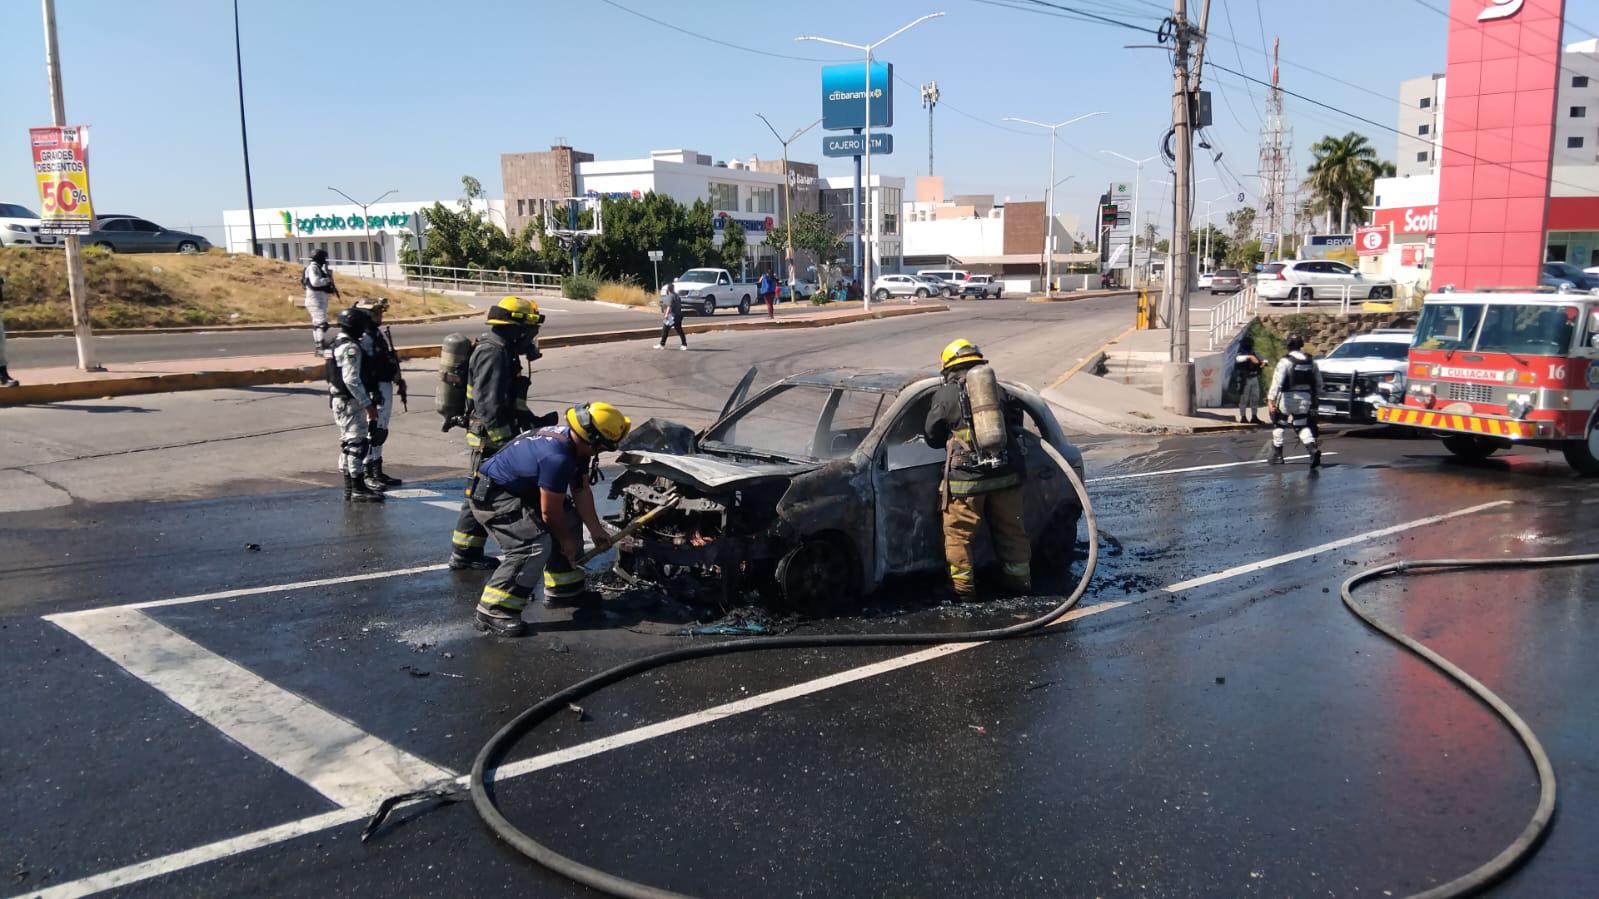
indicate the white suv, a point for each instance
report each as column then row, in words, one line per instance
column 1318, row 280
column 19, row 227
column 1363, row 372
column 903, row 286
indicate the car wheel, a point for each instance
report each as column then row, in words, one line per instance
column 1472, row 449
column 1301, row 295
column 105, row 246
column 879, row 294
column 744, row 306
column 999, row 294
column 816, row 576
column 921, row 293
column 708, row 307
column 1583, row 455
column 1382, row 293
column 188, row 246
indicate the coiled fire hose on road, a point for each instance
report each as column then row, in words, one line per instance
column 1522, row 847
column 497, row 746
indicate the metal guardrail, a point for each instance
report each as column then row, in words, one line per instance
column 1228, row 315
column 443, row 277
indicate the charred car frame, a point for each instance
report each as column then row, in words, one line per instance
column 816, row 489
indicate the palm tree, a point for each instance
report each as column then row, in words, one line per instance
column 1342, row 174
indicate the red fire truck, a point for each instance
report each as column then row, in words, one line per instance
column 1491, row 369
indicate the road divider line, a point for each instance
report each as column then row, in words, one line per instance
column 228, row 848
column 1327, row 547
column 331, row 755
column 1192, row 468
column 257, row 591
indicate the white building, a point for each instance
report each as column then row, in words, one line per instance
column 374, row 240
column 883, row 209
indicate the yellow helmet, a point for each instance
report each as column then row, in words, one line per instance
column 600, row 424
column 961, row 352
column 516, row 311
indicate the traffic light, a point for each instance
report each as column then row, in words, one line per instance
column 1107, row 215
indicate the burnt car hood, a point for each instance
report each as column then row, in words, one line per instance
column 711, row 472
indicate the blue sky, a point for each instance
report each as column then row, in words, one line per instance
column 412, row 94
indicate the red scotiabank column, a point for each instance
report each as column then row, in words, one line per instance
column 1499, row 123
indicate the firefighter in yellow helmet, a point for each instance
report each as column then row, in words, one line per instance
column 496, row 400
column 982, row 478
column 534, row 496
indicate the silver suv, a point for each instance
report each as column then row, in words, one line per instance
column 1363, row 372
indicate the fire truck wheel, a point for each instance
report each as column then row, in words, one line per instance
column 1473, row 449
column 1584, row 456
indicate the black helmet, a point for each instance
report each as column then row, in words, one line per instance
column 1295, row 343
column 355, row 321
column 320, row 256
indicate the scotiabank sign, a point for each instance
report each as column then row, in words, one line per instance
column 1408, row 219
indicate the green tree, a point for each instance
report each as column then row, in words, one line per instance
column 813, row 235
column 1244, row 255
column 1243, row 222
column 1342, row 174
column 730, row 255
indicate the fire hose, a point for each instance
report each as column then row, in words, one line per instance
column 499, row 744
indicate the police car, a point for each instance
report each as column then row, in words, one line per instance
column 1361, row 374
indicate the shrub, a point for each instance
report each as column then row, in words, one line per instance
column 624, row 293
column 580, row 286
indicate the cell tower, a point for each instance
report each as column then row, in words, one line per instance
column 1276, row 148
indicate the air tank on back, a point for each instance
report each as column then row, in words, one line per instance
column 987, row 401
column 450, row 399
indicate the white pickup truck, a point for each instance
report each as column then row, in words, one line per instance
column 705, row 290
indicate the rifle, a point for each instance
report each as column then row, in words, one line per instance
column 399, row 376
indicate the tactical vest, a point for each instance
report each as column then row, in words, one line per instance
column 335, row 374
column 1301, row 375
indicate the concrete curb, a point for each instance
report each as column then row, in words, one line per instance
column 215, row 380
column 1085, row 295
column 198, row 329
column 1093, row 360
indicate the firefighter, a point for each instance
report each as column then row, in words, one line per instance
column 534, row 496
column 386, row 367
column 317, row 279
column 978, row 492
column 1295, row 390
column 497, row 411
column 353, row 394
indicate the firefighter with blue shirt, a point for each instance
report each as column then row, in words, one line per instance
column 534, row 497
column 497, row 411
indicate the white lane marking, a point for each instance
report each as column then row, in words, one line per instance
column 454, row 506
column 271, row 588
column 178, row 861
column 1325, row 547
column 412, row 493
column 332, row 756
column 1150, row 474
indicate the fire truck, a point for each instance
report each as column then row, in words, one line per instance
column 1496, row 368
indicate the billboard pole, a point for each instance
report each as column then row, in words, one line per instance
column 75, row 280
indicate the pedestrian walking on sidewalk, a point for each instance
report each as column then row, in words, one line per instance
column 672, row 317
column 317, row 279
column 1247, row 367
column 767, row 287
column 5, row 376
column 353, row 394
column 386, row 367
column 1292, row 400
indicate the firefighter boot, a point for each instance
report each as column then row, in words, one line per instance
column 473, row 561
column 499, row 622
column 356, row 491
column 1315, row 456
column 1276, row 455
column 374, row 472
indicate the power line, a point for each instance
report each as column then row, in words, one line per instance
column 1239, row 53
column 768, row 54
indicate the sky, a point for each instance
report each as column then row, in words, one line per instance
column 412, row 94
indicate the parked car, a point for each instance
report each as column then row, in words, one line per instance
column 1364, row 372
column 803, row 290
column 131, row 234
column 955, row 277
column 902, row 286
column 817, row 489
column 1312, row 280
column 982, row 287
column 1565, row 271
column 1204, row 281
column 19, row 227
column 1226, row 280
column 705, row 290
column 940, row 286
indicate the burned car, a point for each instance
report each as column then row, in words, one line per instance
column 816, row 489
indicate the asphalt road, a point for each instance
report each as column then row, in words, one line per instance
column 1214, row 723
column 565, row 317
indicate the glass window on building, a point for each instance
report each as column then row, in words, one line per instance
column 890, row 198
column 1579, row 112
column 1425, row 102
column 1573, row 143
column 724, row 196
column 286, row 251
column 364, row 250
column 521, row 206
column 349, row 250
column 1423, row 129
column 1579, row 81
column 1421, row 157
column 338, row 252
column 761, row 199
column 1574, row 247
column 272, row 250
column 377, row 251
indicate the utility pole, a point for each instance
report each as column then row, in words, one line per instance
column 244, row 133
column 1049, row 194
column 1178, row 383
column 78, row 290
column 930, row 100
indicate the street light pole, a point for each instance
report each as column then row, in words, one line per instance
column 77, row 289
column 244, row 133
column 1205, row 253
column 1049, row 195
column 367, row 225
column 788, row 194
column 866, row 261
column 1138, row 182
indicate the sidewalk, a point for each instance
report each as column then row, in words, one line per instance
column 48, row 385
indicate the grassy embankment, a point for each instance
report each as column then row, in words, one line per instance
column 163, row 290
